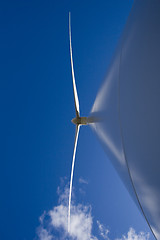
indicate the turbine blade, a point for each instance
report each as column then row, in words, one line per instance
column 76, row 101
column 72, row 170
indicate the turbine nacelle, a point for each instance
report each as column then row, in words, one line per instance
column 80, row 120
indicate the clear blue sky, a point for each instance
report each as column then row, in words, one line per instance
column 37, row 105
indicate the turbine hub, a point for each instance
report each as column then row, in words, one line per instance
column 80, row 120
column 74, row 120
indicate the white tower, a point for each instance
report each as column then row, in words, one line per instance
column 129, row 104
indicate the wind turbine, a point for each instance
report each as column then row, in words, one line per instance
column 78, row 121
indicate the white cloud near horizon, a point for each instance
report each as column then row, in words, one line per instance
column 54, row 223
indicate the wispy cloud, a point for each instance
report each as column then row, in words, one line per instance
column 54, row 223
column 83, row 181
column 43, row 234
column 103, row 230
column 132, row 235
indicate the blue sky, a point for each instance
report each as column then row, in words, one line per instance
column 37, row 105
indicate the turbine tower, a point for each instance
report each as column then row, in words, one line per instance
column 129, row 101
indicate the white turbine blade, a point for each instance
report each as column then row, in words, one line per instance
column 73, row 76
column 72, row 170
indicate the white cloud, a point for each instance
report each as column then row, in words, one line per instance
column 41, row 218
column 54, row 224
column 131, row 235
column 103, row 230
column 43, row 234
column 82, row 180
column 81, row 221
